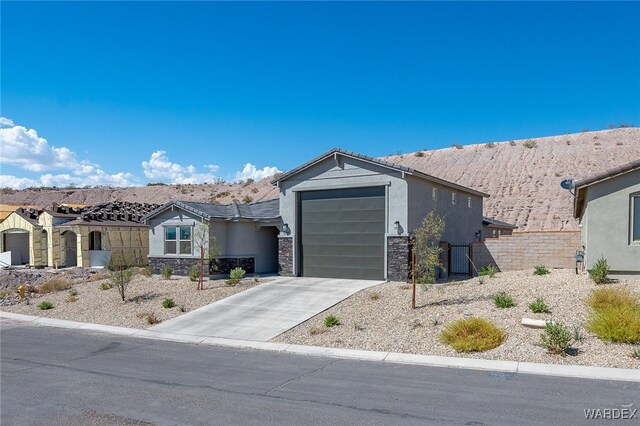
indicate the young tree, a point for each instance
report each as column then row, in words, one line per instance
column 204, row 241
column 121, row 274
column 426, row 246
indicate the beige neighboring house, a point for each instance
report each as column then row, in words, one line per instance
column 608, row 207
column 75, row 236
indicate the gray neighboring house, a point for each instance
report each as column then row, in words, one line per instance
column 246, row 236
column 608, row 207
column 493, row 228
column 346, row 215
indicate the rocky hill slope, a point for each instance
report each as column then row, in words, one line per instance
column 522, row 176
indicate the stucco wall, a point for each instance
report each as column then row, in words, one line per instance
column 606, row 224
column 241, row 239
column 462, row 221
column 525, row 250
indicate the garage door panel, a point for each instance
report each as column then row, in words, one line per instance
column 342, row 233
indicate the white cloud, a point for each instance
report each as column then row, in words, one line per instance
column 24, row 148
column 251, row 172
column 159, row 167
column 4, row 121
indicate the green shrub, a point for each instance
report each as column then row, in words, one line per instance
column 55, row 284
column 540, row 270
column 194, row 274
column 106, row 286
column 616, row 315
column 539, row 307
column 503, row 300
column 166, row 272
column 636, row 353
column 73, row 292
column 45, row 304
column 488, row 270
column 556, row 338
column 616, row 324
column 331, row 321
column 168, row 303
column 473, row 335
column 600, row 272
column 237, row 274
column 72, row 299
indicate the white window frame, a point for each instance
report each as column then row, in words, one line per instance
column 178, row 240
column 469, row 202
column 634, row 239
column 453, row 197
column 434, row 193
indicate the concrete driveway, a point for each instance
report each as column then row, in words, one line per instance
column 263, row 312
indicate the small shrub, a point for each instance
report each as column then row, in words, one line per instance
column 473, row 335
column 600, row 271
column 72, row 299
column 616, row 324
column 490, row 145
column 182, row 308
column 247, row 199
column 374, row 296
column 556, row 338
column 331, row 321
column 540, row 270
column 435, row 321
column 232, row 281
column 512, row 143
column 315, row 330
column 73, row 292
column 503, row 300
column 419, row 154
column 55, row 284
column 45, row 304
column 416, row 324
column 488, row 270
column 358, row 327
column 577, row 334
column 530, row 144
column 636, row 353
column 406, row 287
column 237, row 274
column 539, row 307
column 457, row 146
column 146, row 272
column 3, row 294
column 604, row 298
column 166, row 272
column 168, row 303
column 256, row 278
column 106, row 286
column 149, row 316
column 194, row 274
column 254, row 190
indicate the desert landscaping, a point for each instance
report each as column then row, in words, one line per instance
column 381, row 319
column 85, row 296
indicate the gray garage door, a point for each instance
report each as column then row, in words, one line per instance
column 342, row 233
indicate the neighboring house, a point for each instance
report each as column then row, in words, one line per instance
column 246, row 235
column 608, row 207
column 69, row 236
column 347, row 215
column 493, row 228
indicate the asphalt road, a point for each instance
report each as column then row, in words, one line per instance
column 52, row 376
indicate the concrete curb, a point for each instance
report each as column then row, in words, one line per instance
column 575, row 371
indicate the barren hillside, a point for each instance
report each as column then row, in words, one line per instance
column 522, row 176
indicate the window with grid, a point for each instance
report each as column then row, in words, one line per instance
column 177, row 240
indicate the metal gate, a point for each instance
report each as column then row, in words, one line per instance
column 459, row 260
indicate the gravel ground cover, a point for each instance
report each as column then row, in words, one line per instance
column 143, row 295
column 380, row 318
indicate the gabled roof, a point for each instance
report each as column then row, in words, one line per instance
column 491, row 222
column 258, row 211
column 582, row 184
column 376, row 161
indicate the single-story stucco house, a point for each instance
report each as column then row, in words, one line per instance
column 64, row 236
column 340, row 215
column 608, row 207
column 246, row 235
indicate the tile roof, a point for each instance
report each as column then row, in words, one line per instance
column 589, row 180
column 489, row 221
column 387, row 164
column 261, row 210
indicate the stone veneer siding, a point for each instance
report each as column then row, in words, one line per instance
column 219, row 266
column 285, row 256
column 398, row 258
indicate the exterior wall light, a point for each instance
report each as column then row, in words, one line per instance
column 396, row 225
column 286, row 229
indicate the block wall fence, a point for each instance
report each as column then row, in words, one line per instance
column 524, row 250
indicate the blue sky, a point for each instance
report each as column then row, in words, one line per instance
column 127, row 93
